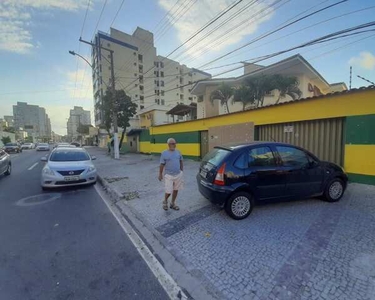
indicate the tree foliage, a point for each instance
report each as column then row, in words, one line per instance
column 223, row 94
column 254, row 89
column 6, row 139
column 124, row 107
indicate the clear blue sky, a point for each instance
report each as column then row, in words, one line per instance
column 36, row 36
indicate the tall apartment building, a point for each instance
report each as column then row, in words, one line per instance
column 146, row 77
column 77, row 116
column 32, row 119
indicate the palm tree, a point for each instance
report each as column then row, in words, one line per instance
column 260, row 85
column 287, row 86
column 223, row 94
column 245, row 95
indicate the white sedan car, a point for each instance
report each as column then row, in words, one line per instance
column 68, row 166
column 27, row 146
column 42, row 147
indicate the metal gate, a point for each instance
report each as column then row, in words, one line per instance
column 204, row 143
column 323, row 137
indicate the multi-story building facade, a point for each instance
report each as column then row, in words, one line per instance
column 77, row 116
column 32, row 119
column 9, row 120
column 146, row 77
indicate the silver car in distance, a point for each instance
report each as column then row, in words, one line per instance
column 68, row 166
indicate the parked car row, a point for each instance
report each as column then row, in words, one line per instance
column 237, row 177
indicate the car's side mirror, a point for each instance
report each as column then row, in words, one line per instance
column 93, row 157
column 44, row 159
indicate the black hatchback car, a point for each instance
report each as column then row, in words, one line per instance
column 237, row 176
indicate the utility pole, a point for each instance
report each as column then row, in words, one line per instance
column 113, row 87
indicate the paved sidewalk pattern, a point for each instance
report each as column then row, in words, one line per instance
column 306, row 249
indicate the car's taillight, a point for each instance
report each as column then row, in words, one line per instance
column 219, row 179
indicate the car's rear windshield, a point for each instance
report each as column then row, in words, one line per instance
column 10, row 144
column 67, row 155
column 43, row 144
column 27, row 144
column 215, row 156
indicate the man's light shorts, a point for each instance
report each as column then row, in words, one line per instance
column 173, row 182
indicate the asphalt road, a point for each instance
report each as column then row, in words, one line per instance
column 64, row 244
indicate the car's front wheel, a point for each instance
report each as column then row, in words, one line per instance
column 9, row 170
column 334, row 190
column 239, row 205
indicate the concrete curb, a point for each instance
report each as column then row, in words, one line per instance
column 189, row 279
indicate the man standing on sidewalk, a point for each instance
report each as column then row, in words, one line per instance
column 171, row 164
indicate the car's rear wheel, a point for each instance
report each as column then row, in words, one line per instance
column 239, row 205
column 9, row 170
column 334, row 190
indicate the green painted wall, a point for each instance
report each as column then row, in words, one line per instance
column 144, row 135
column 360, row 130
column 360, row 178
column 180, row 137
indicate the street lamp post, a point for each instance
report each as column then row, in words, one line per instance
column 113, row 87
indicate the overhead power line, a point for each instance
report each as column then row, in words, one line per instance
column 273, row 31
column 292, row 33
column 312, row 42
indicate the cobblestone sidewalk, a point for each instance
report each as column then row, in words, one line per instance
column 306, row 249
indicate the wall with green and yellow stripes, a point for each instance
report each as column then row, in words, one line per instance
column 360, row 148
column 358, row 108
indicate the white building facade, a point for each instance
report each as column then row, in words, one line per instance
column 77, row 116
column 146, row 77
column 32, row 119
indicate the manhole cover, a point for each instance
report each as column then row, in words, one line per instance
column 38, row 199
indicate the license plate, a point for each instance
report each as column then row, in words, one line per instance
column 203, row 173
column 71, row 178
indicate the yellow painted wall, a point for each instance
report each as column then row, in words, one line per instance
column 145, row 147
column 185, row 149
column 351, row 104
column 359, row 159
column 144, row 121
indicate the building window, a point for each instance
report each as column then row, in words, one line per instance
column 191, row 98
column 135, row 63
column 134, row 53
column 136, row 96
column 161, row 64
column 135, row 74
column 157, row 101
column 181, row 97
column 141, row 99
column 156, row 64
column 109, row 45
column 140, row 69
column 161, row 74
column 140, row 57
column 141, row 87
column 142, row 107
column 162, row 102
column 162, row 93
column 161, row 82
column 190, row 82
column 136, row 85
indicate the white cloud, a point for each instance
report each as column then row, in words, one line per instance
column 365, row 60
column 202, row 12
column 15, row 21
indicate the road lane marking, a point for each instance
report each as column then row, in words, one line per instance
column 166, row 281
column 33, row 166
column 38, row 199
